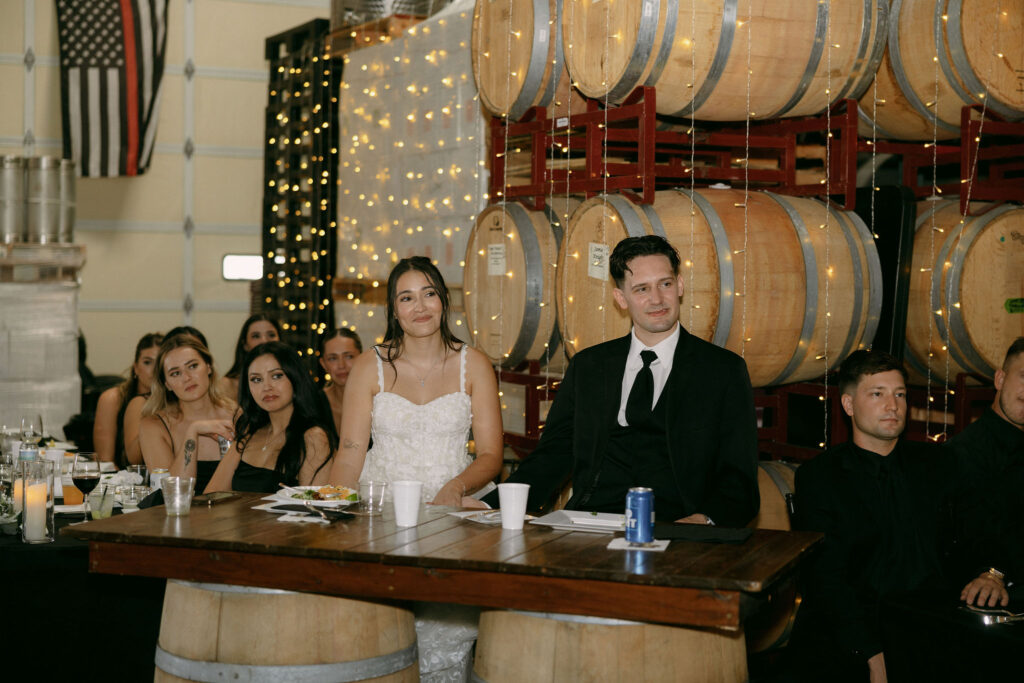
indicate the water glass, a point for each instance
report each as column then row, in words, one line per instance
column 407, row 502
column 178, row 495
column 101, row 501
column 131, row 496
column 371, row 497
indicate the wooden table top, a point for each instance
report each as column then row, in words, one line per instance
column 447, row 559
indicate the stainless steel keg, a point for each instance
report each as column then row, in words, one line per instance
column 12, row 199
column 49, row 188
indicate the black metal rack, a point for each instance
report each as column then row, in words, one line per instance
column 300, row 188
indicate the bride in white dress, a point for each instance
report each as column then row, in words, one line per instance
column 418, row 394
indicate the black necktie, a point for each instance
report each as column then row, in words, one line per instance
column 641, row 396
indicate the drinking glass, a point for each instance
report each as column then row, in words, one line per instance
column 86, row 475
column 32, row 430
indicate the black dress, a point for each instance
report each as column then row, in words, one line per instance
column 254, row 479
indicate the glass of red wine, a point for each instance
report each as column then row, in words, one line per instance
column 86, row 476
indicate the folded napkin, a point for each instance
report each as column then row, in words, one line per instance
column 700, row 533
column 297, row 517
column 620, row 543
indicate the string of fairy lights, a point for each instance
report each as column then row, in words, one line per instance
column 412, row 183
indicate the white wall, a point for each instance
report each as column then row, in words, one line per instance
column 141, row 266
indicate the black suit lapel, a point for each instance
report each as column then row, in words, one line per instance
column 614, row 369
column 682, row 369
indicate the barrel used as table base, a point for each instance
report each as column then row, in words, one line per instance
column 554, row 648
column 216, row 632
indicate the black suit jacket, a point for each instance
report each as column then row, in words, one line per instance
column 710, row 425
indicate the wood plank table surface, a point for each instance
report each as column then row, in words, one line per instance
column 446, row 559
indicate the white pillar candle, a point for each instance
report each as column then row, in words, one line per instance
column 18, row 484
column 35, row 512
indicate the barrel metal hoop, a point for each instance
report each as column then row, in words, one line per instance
column 577, row 618
column 668, row 39
column 655, row 219
column 813, row 61
column 538, row 61
column 875, row 283
column 726, row 274
column 898, row 70
column 858, row 283
column 555, row 221
column 867, row 69
column 940, row 49
column 534, row 285
column 780, row 483
column 229, row 588
column 725, row 40
column 337, row 672
column 956, row 316
column 955, row 39
column 627, row 212
column 645, row 34
column 810, row 290
column 922, row 364
column 911, row 359
column 558, row 63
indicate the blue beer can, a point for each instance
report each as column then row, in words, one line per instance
column 640, row 515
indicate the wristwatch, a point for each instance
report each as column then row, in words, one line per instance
column 996, row 574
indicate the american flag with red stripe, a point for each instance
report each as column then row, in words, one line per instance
column 111, row 64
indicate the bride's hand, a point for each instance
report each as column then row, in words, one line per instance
column 450, row 494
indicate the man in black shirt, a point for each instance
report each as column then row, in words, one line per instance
column 990, row 458
column 879, row 502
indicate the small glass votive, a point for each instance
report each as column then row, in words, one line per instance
column 177, row 495
column 101, row 501
column 141, row 471
column 34, row 485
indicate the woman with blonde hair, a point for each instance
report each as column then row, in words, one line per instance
column 185, row 413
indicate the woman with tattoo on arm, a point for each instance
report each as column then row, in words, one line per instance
column 284, row 429
column 419, row 393
column 185, row 413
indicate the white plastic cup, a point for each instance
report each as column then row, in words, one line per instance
column 407, row 502
column 178, row 495
column 512, row 499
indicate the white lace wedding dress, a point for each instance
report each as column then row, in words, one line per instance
column 427, row 443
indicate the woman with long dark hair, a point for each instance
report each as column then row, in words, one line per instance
column 284, row 431
column 115, row 432
column 338, row 352
column 257, row 329
column 185, row 413
column 420, row 393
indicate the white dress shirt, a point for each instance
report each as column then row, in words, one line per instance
column 660, row 368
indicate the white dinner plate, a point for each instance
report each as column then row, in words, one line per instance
column 577, row 520
column 285, row 496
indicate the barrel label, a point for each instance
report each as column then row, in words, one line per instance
column 1014, row 305
column 597, row 261
column 496, row 259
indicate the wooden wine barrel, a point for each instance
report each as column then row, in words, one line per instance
column 804, row 56
column 509, row 280
column 755, row 283
column 966, row 289
column 549, row 648
column 214, row 632
column 517, row 57
column 770, row 627
column 943, row 55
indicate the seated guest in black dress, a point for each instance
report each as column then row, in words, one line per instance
column 284, row 432
column 880, row 503
column 990, row 457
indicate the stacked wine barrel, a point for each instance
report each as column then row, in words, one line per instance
column 790, row 283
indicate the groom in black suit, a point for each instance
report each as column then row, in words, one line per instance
column 658, row 408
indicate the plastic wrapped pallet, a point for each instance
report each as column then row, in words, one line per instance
column 39, row 353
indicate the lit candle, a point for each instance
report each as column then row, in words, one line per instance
column 35, row 512
column 18, row 484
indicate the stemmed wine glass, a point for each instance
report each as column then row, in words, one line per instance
column 31, row 430
column 86, row 475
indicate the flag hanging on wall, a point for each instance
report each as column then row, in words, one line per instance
column 111, row 63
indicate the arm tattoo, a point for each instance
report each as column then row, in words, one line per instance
column 190, row 449
column 349, row 444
